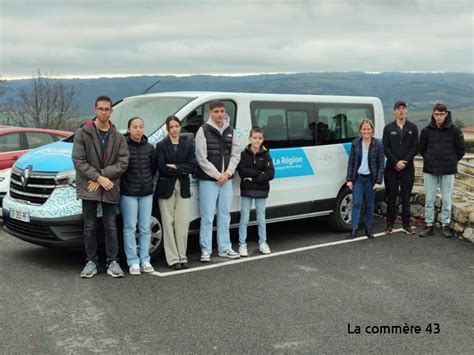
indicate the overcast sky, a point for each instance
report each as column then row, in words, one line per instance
column 105, row 37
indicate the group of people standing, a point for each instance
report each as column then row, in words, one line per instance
column 441, row 145
column 118, row 170
column 113, row 169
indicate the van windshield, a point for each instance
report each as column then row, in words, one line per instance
column 153, row 111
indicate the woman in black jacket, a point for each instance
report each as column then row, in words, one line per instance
column 255, row 170
column 136, row 198
column 176, row 160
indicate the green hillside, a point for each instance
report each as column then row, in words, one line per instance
column 464, row 115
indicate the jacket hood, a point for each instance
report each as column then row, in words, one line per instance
column 261, row 151
column 446, row 124
column 129, row 139
column 210, row 122
column 90, row 126
column 91, row 123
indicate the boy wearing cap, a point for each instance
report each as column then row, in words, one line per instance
column 400, row 141
column 442, row 146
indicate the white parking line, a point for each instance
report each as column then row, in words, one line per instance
column 260, row 257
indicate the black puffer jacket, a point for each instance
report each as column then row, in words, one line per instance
column 441, row 147
column 260, row 168
column 138, row 179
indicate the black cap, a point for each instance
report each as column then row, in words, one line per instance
column 399, row 103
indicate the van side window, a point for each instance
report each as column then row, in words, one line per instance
column 340, row 123
column 273, row 124
column 284, row 125
column 200, row 115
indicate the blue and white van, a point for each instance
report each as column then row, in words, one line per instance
column 308, row 136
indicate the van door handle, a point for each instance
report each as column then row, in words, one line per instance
column 15, row 157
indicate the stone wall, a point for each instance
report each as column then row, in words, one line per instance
column 462, row 220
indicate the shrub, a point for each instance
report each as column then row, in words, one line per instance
column 469, row 146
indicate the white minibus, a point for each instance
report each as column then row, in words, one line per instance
column 308, row 137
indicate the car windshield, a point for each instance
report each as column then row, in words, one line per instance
column 153, row 111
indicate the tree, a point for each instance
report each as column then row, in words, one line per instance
column 3, row 116
column 47, row 103
column 2, row 86
column 458, row 122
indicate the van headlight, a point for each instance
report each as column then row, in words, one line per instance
column 66, row 178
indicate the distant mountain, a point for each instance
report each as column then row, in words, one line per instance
column 419, row 90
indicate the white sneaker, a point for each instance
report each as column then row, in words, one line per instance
column 146, row 267
column 264, row 248
column 134, row 269
column 243, row 250
column 114, row 269
column 205, row 258
column 229, row 254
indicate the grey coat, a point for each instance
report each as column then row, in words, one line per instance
column 86, row 155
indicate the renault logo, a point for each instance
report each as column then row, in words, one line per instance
column 25, row 176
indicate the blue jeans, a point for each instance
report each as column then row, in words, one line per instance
column 363, row 189
column 245, row 205
column 136, row 208
column 212, row 198
column 446, row 185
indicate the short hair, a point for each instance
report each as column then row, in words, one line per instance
column 369, row 122
column 256, row 129
column 103, row 98
column 133, row 119
column 440, row 107
column 216, row 103
column 172, row 118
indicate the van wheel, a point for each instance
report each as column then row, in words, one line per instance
column 156, row 243
column 341, row 218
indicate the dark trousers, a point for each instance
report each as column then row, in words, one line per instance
column 89, row 216
column 395, row 180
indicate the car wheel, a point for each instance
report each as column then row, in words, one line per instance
column 156, row 242
column 341, row 217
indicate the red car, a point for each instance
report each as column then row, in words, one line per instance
column 16, row 141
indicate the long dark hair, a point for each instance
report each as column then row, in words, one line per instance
column 133, row 119
column 172, row 118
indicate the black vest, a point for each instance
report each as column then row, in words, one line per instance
column 218, row 147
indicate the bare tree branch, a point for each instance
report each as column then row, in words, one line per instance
column 48, row 103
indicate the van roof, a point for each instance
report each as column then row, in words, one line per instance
column 262, row 96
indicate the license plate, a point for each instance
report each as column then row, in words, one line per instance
column 20, row 215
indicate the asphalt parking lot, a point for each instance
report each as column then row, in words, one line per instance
column 310, row 301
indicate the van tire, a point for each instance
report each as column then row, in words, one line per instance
column 156, row 242
column 341, row 217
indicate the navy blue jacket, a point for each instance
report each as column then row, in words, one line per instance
column 376, row 160
column 441, row 147
column 185, row 161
